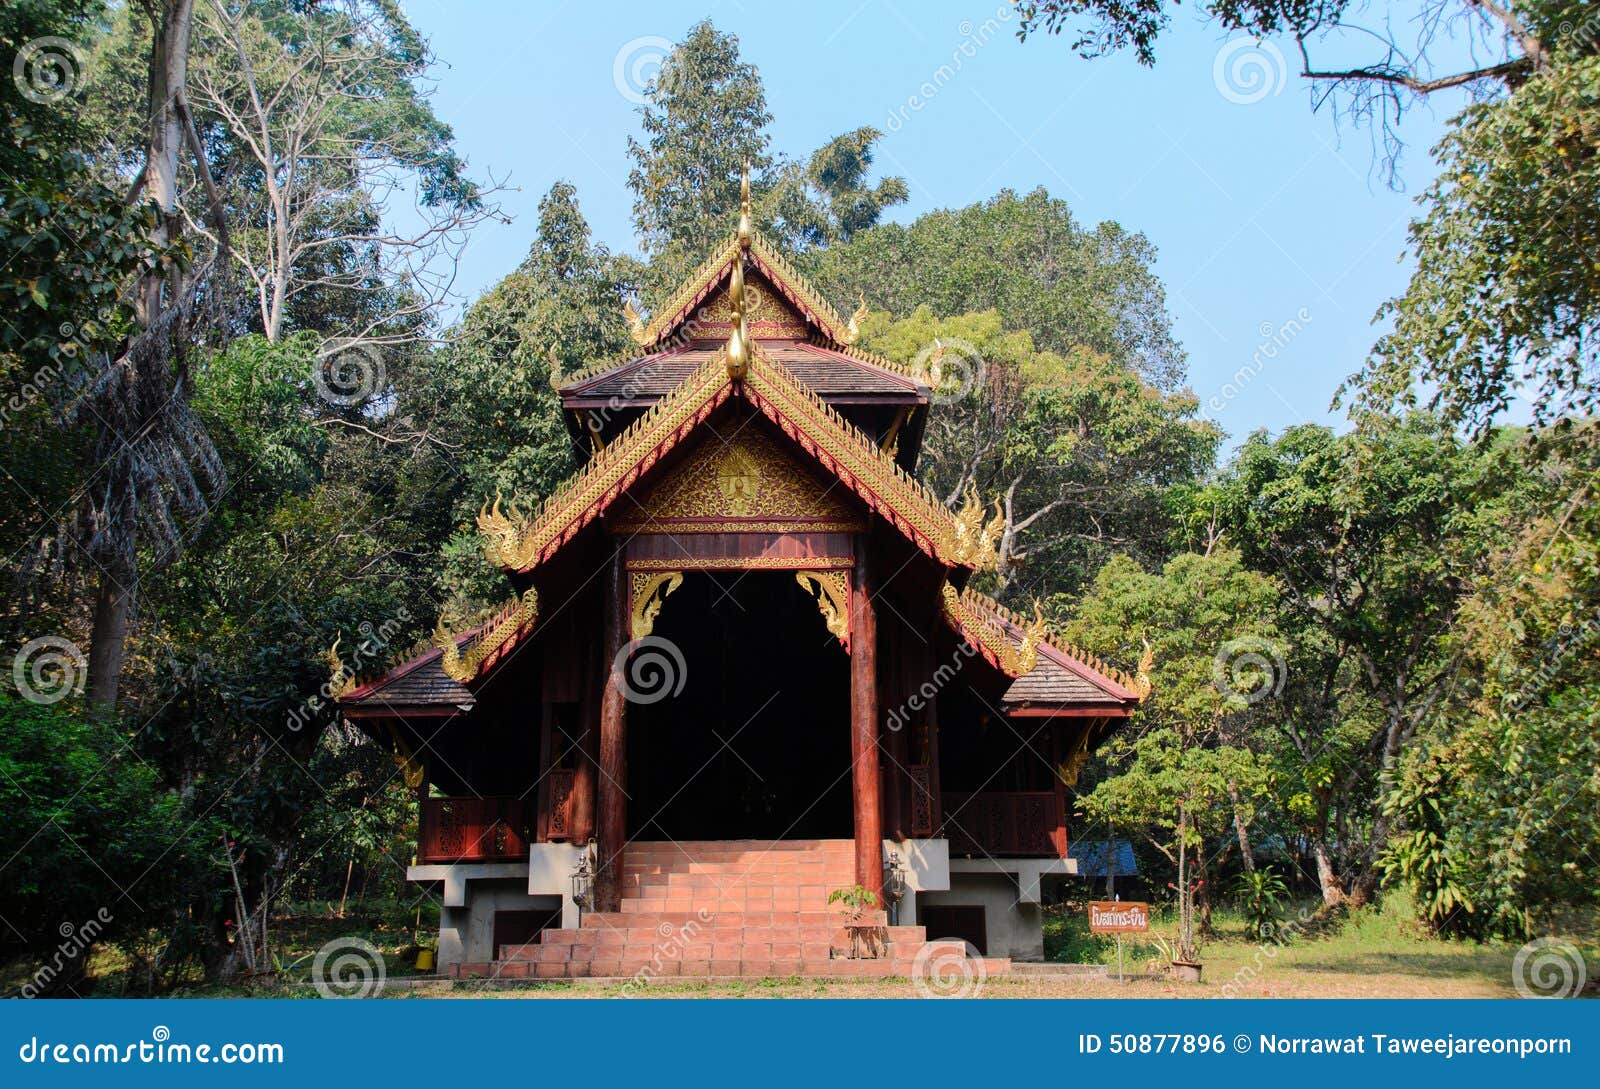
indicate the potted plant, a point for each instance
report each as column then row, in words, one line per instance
column 855, row 902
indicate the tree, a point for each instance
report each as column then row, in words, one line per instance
column 86, row 823
column 492, row 389
column 1497, row 803
column 1184, row 770
column 1505, row 300
column 1071, row 288
column 1504, row 295
column 1076, row 449
column 319, row 109
column 1371, row 535
column 704, row 120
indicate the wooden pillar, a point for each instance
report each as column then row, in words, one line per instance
column 613, row 807
column 591, row 674
column 864, row 727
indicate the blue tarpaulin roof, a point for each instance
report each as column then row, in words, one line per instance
column 1091, row 858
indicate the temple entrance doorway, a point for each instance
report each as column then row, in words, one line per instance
column 756, row 743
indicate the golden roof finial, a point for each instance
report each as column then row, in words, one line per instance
column 852, row 330
column 635, row 320
column 738, row 339
column 1142, row 683
column 746, row 231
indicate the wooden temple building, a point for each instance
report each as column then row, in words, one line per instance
column 741, row 669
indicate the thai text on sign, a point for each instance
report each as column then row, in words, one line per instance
column 1118, row 917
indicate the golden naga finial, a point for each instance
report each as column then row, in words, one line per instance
column 341, row 681
column 636, row 328
column 852, row 328
column 555, row 366
column 974, row 539
column 518, row 613
column 738, row 339
column 1032, row 636
column 746, row 230
column 1141, row 680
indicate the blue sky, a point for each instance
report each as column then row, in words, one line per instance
column 1278, row 237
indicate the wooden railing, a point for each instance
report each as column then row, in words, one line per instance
column 472, row 830
column 1030, row 824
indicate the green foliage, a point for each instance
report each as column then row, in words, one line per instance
column 86, row 824
column 1260, row 894
column 1082, row 450
column 705, row 118
column 1505, row 299
column 1072, row 289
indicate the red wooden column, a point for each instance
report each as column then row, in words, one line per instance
column 613, row 814
column 591, row 673
column 864, row 727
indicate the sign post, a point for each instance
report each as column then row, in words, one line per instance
column 1116, row 917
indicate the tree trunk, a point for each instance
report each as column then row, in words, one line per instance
column 169, row 72
column 1332, row 891
column 1246, row 856
column 107, row 643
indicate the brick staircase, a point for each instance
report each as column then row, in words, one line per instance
column 721, row 908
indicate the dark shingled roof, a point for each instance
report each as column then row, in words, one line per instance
column 422, row 684
column 1052, row 682
column 831, row 374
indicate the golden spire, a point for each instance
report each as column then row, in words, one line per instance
column 738, row 339
column 746, row 231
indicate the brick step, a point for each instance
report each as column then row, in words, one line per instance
column 899, row 961
column 704, row 875
column 716, row 944
column 639, row 919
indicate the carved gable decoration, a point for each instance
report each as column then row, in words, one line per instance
column 749, row 484
column 768, row 315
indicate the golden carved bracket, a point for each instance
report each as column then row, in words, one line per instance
column 643, row 587
column 831, row 589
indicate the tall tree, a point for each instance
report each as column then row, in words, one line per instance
column 1078, row 452
column 1070, row 287
column 1370, row 536
column 705, row 118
